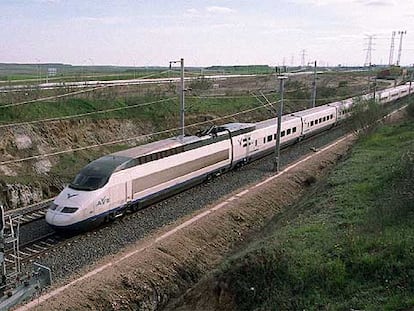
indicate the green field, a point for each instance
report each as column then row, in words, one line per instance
column 349, row 244
column 39, row 73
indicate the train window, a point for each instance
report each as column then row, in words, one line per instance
column 316, row 121
column 331, row 116
column 288, row 131
column 311, row 123
column 282, row 134
column 320, row 120
column 324, row 119
column 264, row 140
column 255, row 142
column 275, row 136
column 269, row 138
column 88, row 182
column 294, row 130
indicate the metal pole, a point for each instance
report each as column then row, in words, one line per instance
column 182, row 103
column 314, row 87
column 279, row 124
column 375, row 87
column 182, row 99
column 411, row 80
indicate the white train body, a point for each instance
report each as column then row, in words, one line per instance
column 136, row 177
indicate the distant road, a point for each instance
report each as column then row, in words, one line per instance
column 97, row 83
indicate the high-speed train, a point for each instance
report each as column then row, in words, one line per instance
column 136, row 177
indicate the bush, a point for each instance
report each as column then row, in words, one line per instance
column 365, row 115
column 410, row 108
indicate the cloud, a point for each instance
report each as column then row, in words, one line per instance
column 48, row 1
column 320, row 2
column 376, row 2
column 192, row 11
column 219, row 10
column 109, row 20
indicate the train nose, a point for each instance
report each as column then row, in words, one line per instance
column 60, row 216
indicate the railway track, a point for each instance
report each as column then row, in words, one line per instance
column 30, row 250
column 28, row 214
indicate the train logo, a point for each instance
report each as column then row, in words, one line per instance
column 71, row 195
column 103, row 201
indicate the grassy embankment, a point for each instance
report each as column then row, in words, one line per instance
column 348, row 245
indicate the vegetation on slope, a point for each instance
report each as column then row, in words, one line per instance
column 348, row 245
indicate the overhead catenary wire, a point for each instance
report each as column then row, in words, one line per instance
column 74, row 116
column 54, row 97
column 71, row 93
column 113, row 142
column 270, row 104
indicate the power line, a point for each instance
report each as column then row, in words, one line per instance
column 74, row 116
column 270, row 105
column 54, row 97
column 82, row 114
column 71, row 93
column 125, row 139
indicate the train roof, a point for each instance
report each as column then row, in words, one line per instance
column 106, row 165
column 238, row 128
column 169, row 143
column 271, row 122
column 311, row 111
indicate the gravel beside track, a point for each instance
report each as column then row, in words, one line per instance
column 86, row 249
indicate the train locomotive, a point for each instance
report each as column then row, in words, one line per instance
column 133, row 178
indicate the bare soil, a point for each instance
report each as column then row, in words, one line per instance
column 167, row 266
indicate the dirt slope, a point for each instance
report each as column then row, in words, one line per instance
column 164, row 267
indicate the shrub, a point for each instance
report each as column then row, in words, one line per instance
column 410, row 108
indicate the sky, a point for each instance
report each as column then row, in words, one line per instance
column 204, row 32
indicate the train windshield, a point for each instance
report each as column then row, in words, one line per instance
column 97, row 173
column 87, row 182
